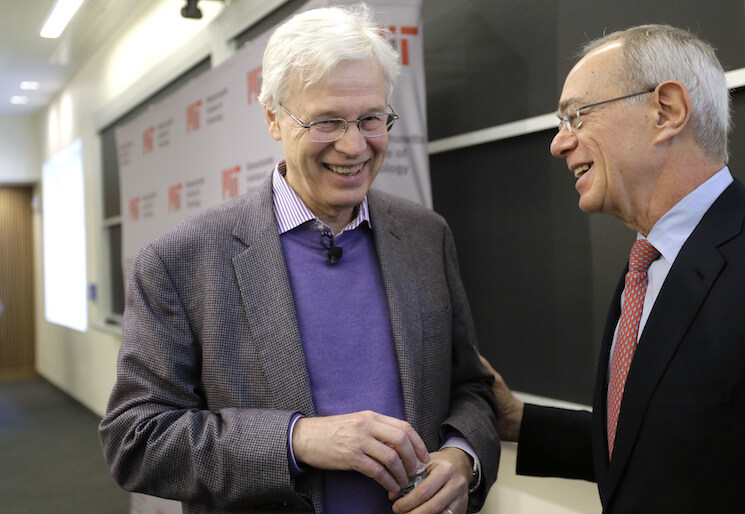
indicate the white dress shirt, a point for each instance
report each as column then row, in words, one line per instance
column 669, row 235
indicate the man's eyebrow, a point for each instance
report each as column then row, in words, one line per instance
column 575, row 100
column 326, row 114
column 320, row 115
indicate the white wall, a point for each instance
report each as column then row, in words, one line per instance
column 152, row 47
column 20, row 162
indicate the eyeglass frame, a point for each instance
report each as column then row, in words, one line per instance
column 565, row 121
column 388, row 126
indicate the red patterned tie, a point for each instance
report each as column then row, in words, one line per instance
column 642, row 255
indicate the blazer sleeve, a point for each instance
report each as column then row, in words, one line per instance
column 159, row 437
column 472, row 404
column 555, row 443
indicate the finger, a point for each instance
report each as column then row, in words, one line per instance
column 443, row 487
column 449, row 495
column 401, row 436
column 399, row 442
column 500, row 386
column 487, row 365
column 421, row 493
column 371, row 467
column 414, row 439
column 390, row 459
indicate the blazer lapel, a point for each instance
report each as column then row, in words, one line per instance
column 267, row 298
column 401, row 293
column 695, row 270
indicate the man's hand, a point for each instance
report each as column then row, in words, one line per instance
column 509, row 408
column 446, row 486
column 383, row 448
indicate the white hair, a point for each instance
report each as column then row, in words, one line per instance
column 653, row 54
column 315, row 42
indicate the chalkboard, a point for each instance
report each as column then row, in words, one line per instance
column 490, row 62
column 539, row 273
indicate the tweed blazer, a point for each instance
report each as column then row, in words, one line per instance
column 211, row 367
column 680, row 442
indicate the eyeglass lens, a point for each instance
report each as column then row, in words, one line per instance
column 332, row 129
column 570, row 119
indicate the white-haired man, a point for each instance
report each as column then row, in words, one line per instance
column 306, row 347
column 644, row 117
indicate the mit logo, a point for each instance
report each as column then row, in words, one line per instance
column 174, row 198
column 405, row 32
column 147, row 140
column 230, row 182
column 192, row 116
column 134, row 208
column 253, row 81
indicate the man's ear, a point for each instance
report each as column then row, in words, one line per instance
column 673, row 110
column 273, row 122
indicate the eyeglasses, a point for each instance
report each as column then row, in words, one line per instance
column 328, row 130
column 572, row 120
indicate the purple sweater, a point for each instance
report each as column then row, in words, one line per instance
column 345, row 326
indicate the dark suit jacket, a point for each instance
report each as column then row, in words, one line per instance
column 211, row 366
column 680, row 442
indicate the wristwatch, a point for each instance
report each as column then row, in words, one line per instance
column 474, row 474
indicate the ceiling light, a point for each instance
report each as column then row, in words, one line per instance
column 29, row 85
column 190, row 10
column 58, row 18
column 18, row 100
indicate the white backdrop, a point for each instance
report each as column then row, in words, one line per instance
column 208, row 142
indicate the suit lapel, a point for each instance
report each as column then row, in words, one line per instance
column 403, row 302
column 687, row 285
column 600, row 435
column 267, row 298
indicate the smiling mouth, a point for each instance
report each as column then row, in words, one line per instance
column 580, row 170
column 345, row 170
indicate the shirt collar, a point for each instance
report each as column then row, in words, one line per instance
column 291, row 211
column 673, row 229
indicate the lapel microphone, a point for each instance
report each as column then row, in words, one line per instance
column 333, row 253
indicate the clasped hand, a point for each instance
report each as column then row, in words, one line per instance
column 385, row 449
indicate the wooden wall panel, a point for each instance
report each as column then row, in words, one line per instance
column 16, row 284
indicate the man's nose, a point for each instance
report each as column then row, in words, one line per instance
column 563, row 143
column 352, row 142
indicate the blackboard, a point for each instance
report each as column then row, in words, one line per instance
column 539, row 273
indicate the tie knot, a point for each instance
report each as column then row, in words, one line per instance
column 642, row 255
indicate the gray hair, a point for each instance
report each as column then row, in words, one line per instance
column 653, row 54
column 315, row 42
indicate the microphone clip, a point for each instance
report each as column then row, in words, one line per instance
column 333, row 253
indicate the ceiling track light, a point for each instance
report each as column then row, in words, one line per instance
column 59, row 16
column 191, row 10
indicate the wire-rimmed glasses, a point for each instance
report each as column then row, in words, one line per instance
column 571, row 117
column 328, row 130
